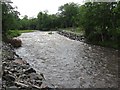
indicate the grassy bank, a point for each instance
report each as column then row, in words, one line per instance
column 80, row 31
column 15, row 33
column 25, row 31
column 110, row 44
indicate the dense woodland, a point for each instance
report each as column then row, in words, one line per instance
column 99, row 20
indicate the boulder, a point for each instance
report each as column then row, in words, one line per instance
column 19, row 61
column 35, row 76
column 15, row 42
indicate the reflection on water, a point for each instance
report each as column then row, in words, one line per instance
column 68, row 63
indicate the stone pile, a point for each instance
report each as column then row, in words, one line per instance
column 72, row 36
column 17, row 73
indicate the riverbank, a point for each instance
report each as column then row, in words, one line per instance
column 80, row 37
column 18, row 74
column 72, row 35
column 16, row 33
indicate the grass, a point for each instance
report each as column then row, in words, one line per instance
column 16, row 33
column 111, row 44
column 25, row 31
column 108, row 44
column 13, row 33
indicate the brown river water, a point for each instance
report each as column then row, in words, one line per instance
column 68, row 63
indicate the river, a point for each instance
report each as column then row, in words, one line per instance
column 68, row 63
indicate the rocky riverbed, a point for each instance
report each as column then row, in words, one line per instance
column 18, row 74
column 73, row 36
column 69, row 63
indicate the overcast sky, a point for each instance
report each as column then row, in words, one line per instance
column 33, row 7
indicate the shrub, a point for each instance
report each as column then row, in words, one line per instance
column 13, row 33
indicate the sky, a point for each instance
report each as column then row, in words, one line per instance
column 32, row 7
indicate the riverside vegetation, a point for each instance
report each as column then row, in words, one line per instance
column 99, row 21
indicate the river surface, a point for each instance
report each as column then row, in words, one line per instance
column 68, row 63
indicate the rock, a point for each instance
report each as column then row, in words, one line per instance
column 12, row 88
column 17, row 74
column 5, row 72
column 43, row 86
column 35, row 76
column 25, row 66
column 90, row 48
column 13, row 71
column 42, row 75
column 15, row 42
column 7, row 68
column 46, row 85
column 24, row 77
column 21, row 84
column 19, row 61
column 10, row 78
column 28, row 64
column 31, row 70
column 4, row 64
column 71, row 35
column 9, row 58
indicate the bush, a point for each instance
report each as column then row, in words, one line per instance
column 13, row 33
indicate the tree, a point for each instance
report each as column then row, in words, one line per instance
column 33, row 23
column 102, row 16
column 44, row 21
column 69, row 13
column 10, row 17
column 25, row 24
column 101, row 22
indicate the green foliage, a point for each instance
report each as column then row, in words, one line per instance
column 46, row 22
column 25, row 31
column 110, row 44
column 100, row 21
column 69, row 13
column 16, row 33
column 13, row 33
column 68, row 17
column 10, row 17
column 26, row 23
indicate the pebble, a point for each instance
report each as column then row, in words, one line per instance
column 72, row 36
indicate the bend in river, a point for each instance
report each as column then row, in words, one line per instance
column 67, row 63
